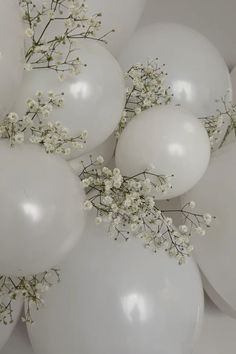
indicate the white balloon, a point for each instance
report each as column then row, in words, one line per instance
column 215, row 253
column 6, row 330
column 106, row 150
column 41, row 214
column 11, row 53
column 197, row 74
column 94, row 99
column 171, row 140
column 120, row 16
column 119, row 298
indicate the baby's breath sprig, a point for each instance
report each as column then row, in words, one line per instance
column 130, row 206
column 30, row 289
column 225, row 116
column 58, row 51
column 146, row 88
column 36, row 128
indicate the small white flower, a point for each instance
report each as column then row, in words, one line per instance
column 29, row 32
column 88, row 205
column 192, row 204
column 19, row 138
column 100, row 159
column 207, row 218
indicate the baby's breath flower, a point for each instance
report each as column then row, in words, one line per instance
column 130, row 206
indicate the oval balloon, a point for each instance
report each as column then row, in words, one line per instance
column 196, row 80
column 106, row 150
column 7, row 329
column 41, row 214
column 11, row 54
column 94, row 99
column 171, row 140
column 216, row 192
column 119, row 298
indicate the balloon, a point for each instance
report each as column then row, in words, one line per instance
column 41, row 214
column 6, row 330
column 119, row 298
column 11, row 53
column 216, row 193
column 106, row 150
column 169, row 140
column 94, row 99
column 117, row 15
column 197, row 74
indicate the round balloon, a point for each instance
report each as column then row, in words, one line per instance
column 171, row 141
column 105, row 150
column 11, row 54
column 119, row 298
column 216, row 192
column 197, row 74
column 7, row 329
column 94, row 99
column 41, row 209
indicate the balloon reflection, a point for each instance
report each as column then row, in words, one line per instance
column 135, row 307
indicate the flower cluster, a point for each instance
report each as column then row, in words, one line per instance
column 146, row 88
column 130, row 207
column 57, row 51
column 30, row 289
column 36, row 128
column 220, row 125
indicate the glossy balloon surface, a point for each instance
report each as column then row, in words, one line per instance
column 119, row 298
column 197, row 74
column 169, row 140
column 41, row 212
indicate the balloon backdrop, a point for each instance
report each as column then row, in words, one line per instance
column 119, row 298
column 169, row 140
column 94, row 99
column 41, row 213
column 197, row 74
column 106, row 150
column 11, row 53
column 216, row 192
column 6, row 330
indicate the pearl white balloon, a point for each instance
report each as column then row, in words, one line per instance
column 119, row 298
column 215, row 253
column 6, row 330
column 197, row 74
column 41, row 214
column 94, row 99
column 106, row 150
column 11, row 53
column 171, row 140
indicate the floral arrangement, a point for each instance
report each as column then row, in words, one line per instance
column 128, row 205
